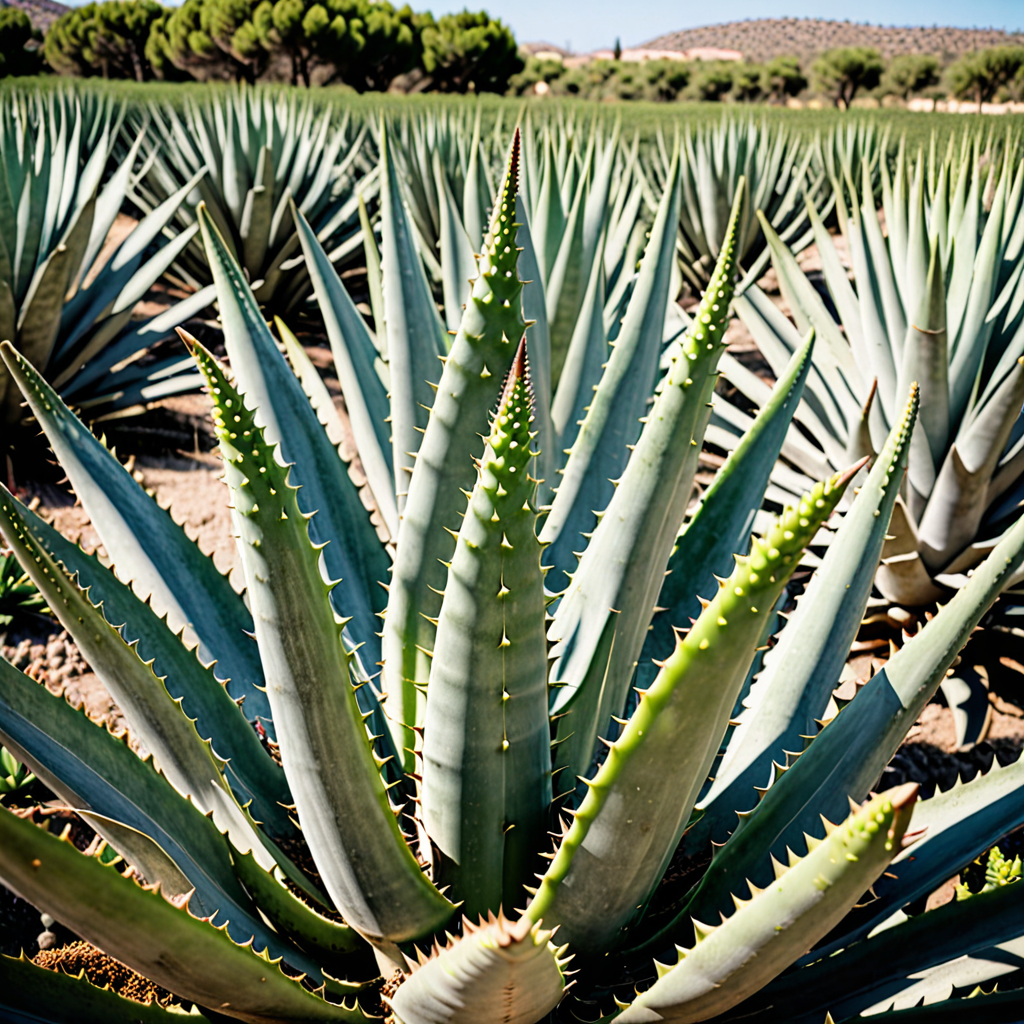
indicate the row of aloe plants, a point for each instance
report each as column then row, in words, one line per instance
column 400, row 844
column 75, row 158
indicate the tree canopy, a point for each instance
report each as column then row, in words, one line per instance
column 19, row 44
column 981, row 75
column 782, row 77
column 843, row 72
column 107, row 39
column 365, row 44
column 470, row 52
column 910, row 72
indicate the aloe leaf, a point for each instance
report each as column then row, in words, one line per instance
column 770, row 930
column 154, row 716
column 39, row 315
column 353, row 553
column 414, row 330
column 640, row 799
column 373, row 278
column 131, row 805
column 145, row 855
column 926, row 360
column 458, row 260
column 567, row 281
column 148, row 549
column 957, row 502
column 475, row 193
column 830, row 410
column 494, row 971
column 26, row 991
column 722, row 524
column 601, row 448
column 293, row 917
column 90, row 769
column 804, row 667
column 481, row 354
column 959, row 825
column 584, row 360
column 848, row 755
column 842, row 374
column 160, row 940
column 548, row 212
column 971, row 334
column 486, row 749
column 254, row 776
column 538, row 348
column 601, row 622
column 886, row 960
column 346, row 816
column 355, row 355
column 254, row 225
column 978, row 1008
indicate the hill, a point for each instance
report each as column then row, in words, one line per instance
column 762, row 39
column 42, row 13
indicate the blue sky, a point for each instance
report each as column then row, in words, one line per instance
column 589, row 24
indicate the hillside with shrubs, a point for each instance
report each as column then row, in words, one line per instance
column 763, row 39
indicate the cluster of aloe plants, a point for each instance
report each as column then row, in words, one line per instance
column 405, row 827
column 65, row 303
column 247, row 154
column 938, row 298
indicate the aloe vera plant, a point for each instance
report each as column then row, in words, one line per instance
column 938, row 298
column 247, row 154
column 64, row 302
column 249, row 873
column 784, row 177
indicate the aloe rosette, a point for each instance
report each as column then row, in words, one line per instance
column 402, row 828
column 248, row 154
column 66, row 302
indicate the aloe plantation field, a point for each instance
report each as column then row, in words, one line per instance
column 472, row 560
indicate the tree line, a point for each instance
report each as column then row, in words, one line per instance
column 368, row 45
column 371, row 45
column 839, row 75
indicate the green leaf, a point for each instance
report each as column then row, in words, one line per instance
column 639, row 801
column 35, row 995
column 414, row 330
column 957, row 503
column 486, row 750
column 253, row 774
column 355, row 355
column 342, row 803
column 148, row 549
column 959, row 825
column 721, row 526
column 494, row 971
column 848, row 755
column 165, row 943
column 293, row 917
column 601, row 622
column 601, row 450
column 801, row 671
column 153, row 715
column 458, row 260
column 254, row 225
column 481, row 354
column 768, row 932
column 889, row 960
column 353, row 553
